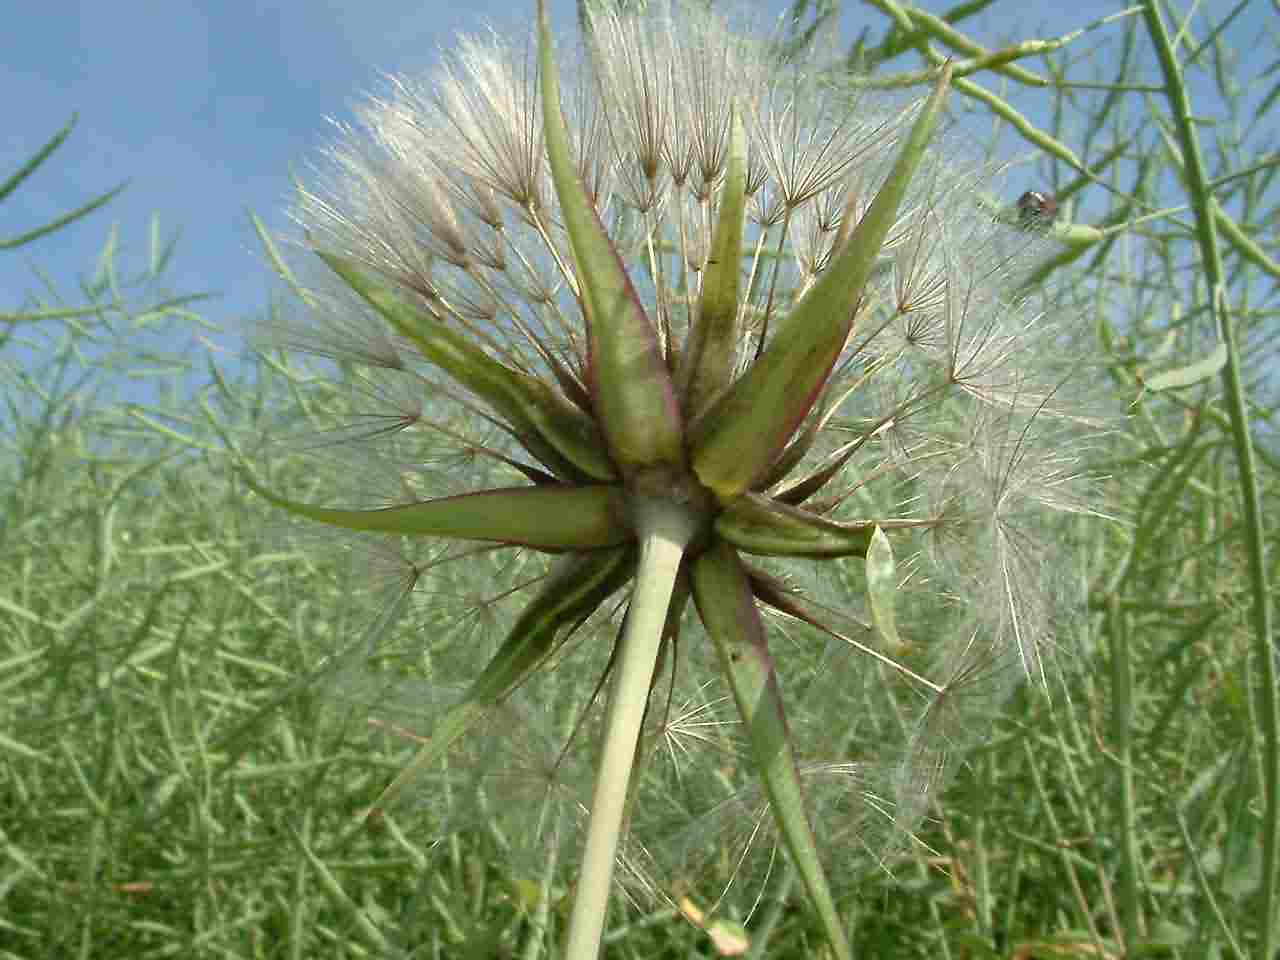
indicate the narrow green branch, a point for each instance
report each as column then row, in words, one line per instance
column 918, row 26
column 1206, row 222
column 913, row 20
column 1122, row 736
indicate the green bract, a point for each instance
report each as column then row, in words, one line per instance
column 691, row 306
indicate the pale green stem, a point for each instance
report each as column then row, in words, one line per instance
column 1253, row 528
column 762, row 931
column 1131, row 932
column 664, row 529
column 538, row 928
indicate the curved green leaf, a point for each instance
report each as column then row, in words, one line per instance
column 550, row 518
column 803, row 489
column 39, row 157
column 30, row 167
column 550, row 426
column 723, row 595
column 631, row 390
column 711, row 351
column 755, row 524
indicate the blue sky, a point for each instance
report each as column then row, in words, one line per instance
column 206, row 106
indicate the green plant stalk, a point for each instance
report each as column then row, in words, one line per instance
column 1203, row 205
column 984, row 903
column 664, row 529
column 772, row 916
column 919, row 20
column 1068, row 860
column 538, row 924
column 1122, row 735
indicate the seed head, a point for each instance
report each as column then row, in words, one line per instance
column 675, row 268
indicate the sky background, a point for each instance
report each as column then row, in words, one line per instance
column 205, row 107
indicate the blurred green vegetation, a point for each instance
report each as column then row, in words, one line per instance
column 168, row 784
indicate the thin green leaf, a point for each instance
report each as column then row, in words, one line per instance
column 742, row 434
column 573, row 591
column 278, row 263
column 38, row 158
column 67, row 218
column 551, row 428
column 805, row 488
column 727, row 608
column 634, row 398
column 550, row 518
column 756, row 524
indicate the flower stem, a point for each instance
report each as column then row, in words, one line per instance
column 1253, row 527
column 664, row 529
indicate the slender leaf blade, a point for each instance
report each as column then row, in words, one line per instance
column 722, row 592
column 579, row 584
column 548, row 424
column 550, row 518
column 742, row 434
column 631, row 389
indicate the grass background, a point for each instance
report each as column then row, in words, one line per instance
column 169, row 785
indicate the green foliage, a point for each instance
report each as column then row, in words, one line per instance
column 17, row 178
column 173, row 780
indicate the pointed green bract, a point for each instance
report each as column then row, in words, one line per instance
column 549, row 426
column 574, row 590
column 727, row 608
column 631, row 389
column 782, row 596
column 756, row 524
column 803, row 489
column 801, row 443
column 711, row 351
column 882, row 587
column 550, row 518
column 740, row 437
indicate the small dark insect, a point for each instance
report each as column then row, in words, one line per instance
column 1036, row 208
